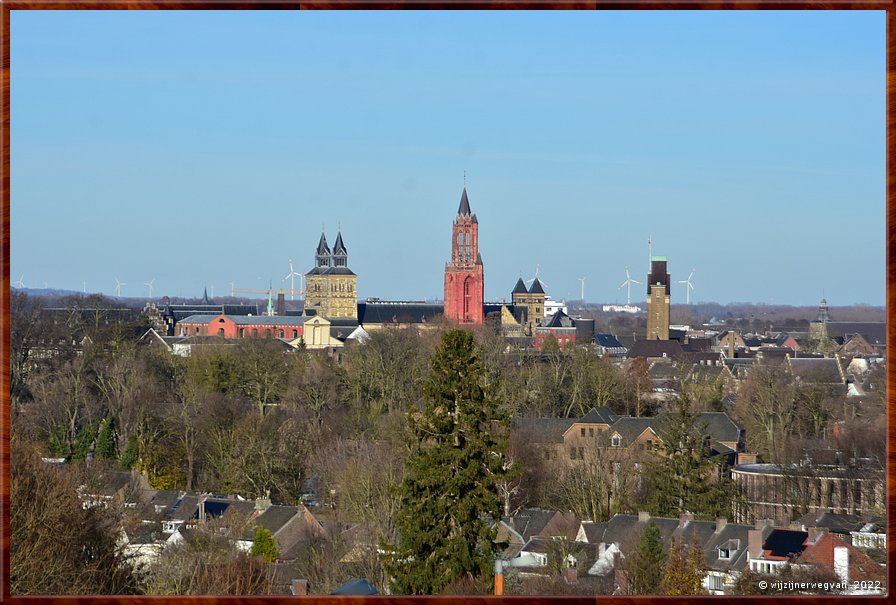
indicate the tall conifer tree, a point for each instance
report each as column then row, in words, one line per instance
column 449, row 496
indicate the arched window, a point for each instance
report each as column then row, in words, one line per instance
column 281, row 333
column 267, row 333
column 254, row 332
column 220, row 331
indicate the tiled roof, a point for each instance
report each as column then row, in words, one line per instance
column 608, row 341
column 273, row 519
column 600, row 415
column 543, row 430
column 824, row 370
column 875, row 332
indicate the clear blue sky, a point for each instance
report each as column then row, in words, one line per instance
column 204, row 148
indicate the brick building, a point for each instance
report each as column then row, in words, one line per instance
column 658, row 300
column 464, row 278
column 331, row 288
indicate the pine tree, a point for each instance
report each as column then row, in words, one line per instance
column 263, row 545
column 449, row 496
column 645, row 567
column 105, row 441
column 684, row 571
column 683, row 478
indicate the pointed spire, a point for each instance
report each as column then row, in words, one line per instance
column 536, row 287
column 339, row 246
column 464, row 208
column 322, row 247
column 205, row 300
column 520, row 287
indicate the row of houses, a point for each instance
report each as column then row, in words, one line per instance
column 597, row 553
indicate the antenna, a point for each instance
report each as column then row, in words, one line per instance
column 628, row 282
column 149, row 285
column 118, row 286
column 690, row 286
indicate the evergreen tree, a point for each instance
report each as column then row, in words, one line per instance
column 449, row 496
column 684, row 571
column 681, row 477
column 105, row 441
column 645, row 567
column 263, row 545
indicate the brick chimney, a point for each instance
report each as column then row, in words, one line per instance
column 721, row 522
column 262, row 504
column 571, row 575
column 684, row 518
column 754, row 543
column 299, row 588
column 815, row 533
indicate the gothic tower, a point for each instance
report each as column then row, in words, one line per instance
column 658, row 300
column 464, row 280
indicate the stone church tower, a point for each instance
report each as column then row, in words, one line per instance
column 658, row 300
column 464, row 280
column 331, row 287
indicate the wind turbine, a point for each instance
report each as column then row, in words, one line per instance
column 628, row 282
column 291, row 276
column 118, row 286
column 20, row 283
column 529, row 282
column 149, row 284
column 582, row 279
column 690, row 286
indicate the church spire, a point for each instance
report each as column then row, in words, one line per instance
column 464, row 208
column 340, row 254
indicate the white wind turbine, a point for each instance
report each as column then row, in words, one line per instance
column 690, row 286
column 291, row 276
column 149, row 285
column 118, row 286
column 20, row 283
column 582, row 279
column 529, row 282
column 628, row 282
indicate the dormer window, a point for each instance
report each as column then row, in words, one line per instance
column 615, row 440
column 724, row 553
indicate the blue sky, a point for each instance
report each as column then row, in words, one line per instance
column 203, row 148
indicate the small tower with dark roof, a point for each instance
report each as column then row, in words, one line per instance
column 658, row 303
column 464, row 277
column 533, row 299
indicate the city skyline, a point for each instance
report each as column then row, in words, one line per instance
column 750, row 151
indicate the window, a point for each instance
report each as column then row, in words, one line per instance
column 254, row 332
column 724, row 553
column 581, row 453
column 591, row 432
column 582, row 430
column 572, row 453
column 281, row 333
column 295, row 333
column 615, row 441
column 715, row 582
column 220, row 331
column 242, row 332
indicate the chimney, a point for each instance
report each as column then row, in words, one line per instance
column 815, row 534
column 721, row 522
column 643, row 516
column 684, row 518
column 202, row 509
column 754, row 543
column 299, row 588
column 262, row 504
column 841, row 563
column 746, row 458
column 731, row 338
column 571, row 575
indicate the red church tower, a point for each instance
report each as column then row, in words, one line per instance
column 463, row 275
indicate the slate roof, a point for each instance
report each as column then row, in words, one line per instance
column 720, row 426
column 530, row 522
column 824, row 370
column 655, row 348
column 836, row 522
column 630, row 428
column 600, row 415
column 559, row 320
column 339, row 246
column 464, row 208
column 544, row 430
column 608, row 341
column 398, row 312
column 356, row 587
column 594, row 532
column 536, row 287
column 273, row 519
column 322, row 247
column 875, row 332
column 733, row 537
column 520, row 287
column 625, row 530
